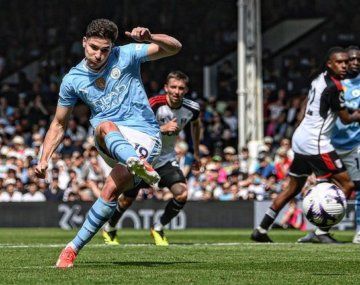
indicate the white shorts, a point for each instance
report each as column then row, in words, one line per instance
column 145, row 146
column 351, row 159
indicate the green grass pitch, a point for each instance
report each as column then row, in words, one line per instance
column 201, row 256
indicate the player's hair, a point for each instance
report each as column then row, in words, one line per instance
column 102, row 28
column 332, row 51
column 323, row 66
column 178, row 75
column 349, row 48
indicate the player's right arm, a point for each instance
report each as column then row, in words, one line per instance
column 170, row 127
column 53, row 138
column 161, row 45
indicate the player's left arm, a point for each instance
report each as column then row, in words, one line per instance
column 337, row 104
column 161, row 45
column 195, row 134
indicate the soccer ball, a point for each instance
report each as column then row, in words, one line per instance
column 324, row 205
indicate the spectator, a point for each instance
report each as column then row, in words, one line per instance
column 54, row 192
column 184, row 158
column 282, row 164
column 294, row 217
column 37, row 110
column 67, row 147
column 76, row 132
column 33, row 194
column 11, row 194
column 244, row 161
column 227, row 193
column 265, row 168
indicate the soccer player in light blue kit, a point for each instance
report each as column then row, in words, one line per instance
column 346, row 138
column 127, row 135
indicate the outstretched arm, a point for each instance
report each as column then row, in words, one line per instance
column 161, row 45
column 53, row 138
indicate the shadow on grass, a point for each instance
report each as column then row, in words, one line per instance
column 136, row 263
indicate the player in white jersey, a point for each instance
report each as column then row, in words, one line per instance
column 173, row 112
column 313, row 151
column 346, row 138
column 108, row 80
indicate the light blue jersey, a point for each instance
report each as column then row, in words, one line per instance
column 347, row 137
column 115, row 93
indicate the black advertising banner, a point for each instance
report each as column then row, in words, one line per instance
column 213, row 214
column 196, row 214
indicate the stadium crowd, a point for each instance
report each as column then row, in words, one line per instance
column 77, row 171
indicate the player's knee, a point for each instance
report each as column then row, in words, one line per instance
column 348, row 187
column 125, row 202
column 106, row 127
column 182, row 193
column 109, row 192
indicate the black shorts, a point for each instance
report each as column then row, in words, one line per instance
column 170, row 174
column 323, row 165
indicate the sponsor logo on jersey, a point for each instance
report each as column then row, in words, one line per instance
column 113, row 98
column 338, row 163
column 138, row 47
column 115, row 73
column 175, row 163
column 100, row 83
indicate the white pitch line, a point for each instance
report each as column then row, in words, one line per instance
column 151, row 245
column 33, row 267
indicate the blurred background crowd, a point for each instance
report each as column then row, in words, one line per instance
column 52, row 37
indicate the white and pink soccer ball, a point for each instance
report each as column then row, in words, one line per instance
column 324, row 205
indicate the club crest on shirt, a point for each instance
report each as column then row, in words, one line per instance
column 115, row 73
column 100, row 83
column 355, row 93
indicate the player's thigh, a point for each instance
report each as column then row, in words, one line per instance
column 146, row 146
column 300, row 166
column 171, row 174
column 105, row 154
column 351, row 159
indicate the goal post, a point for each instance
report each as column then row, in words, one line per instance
column 249, row 89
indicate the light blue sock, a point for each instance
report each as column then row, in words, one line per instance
column 357, row 210
column 99, row 213
column 119, row 147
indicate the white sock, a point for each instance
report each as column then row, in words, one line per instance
column 158, row 226
column 261, row 230
column 72, row 246
column 109, row 228
column 319, row 232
